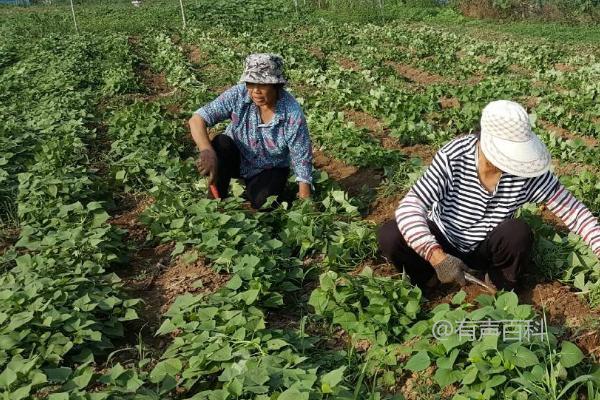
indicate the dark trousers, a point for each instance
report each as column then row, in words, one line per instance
column 270, row 182
column 504, row 254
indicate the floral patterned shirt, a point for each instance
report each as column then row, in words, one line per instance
column 279, row 143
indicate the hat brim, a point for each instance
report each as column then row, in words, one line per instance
column 247, row 79
column 524, row 159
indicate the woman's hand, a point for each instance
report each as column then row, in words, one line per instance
column 303, row 190
column 451, row 269
column 207, row 164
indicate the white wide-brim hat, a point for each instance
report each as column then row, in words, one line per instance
column 508, row 142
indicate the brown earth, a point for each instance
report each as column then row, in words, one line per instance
column 568, row 135
column 485, row 59
column 392, row 143
column 364, row 120
column 194, row 54
column 317, row 52
column 564, row 67
column 531, row 102
column 158, row 281
column 415, row 75
column 129, row 219
column 421, row 386
column 423, row 151
column 347, row 63
column 350, row 178
column 155, row 83
column 475, row 79
column 564, row 308
column 8, row 238
column 382, row 210
column 519, row 69
column 449, row 102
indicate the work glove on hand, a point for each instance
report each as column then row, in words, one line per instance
column 207, row 164
column 452, row 269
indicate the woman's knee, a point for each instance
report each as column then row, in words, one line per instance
column 388, row 237
column 517, row 233
column 222, row 143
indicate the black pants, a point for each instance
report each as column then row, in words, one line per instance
column 270, row 182
column 504, row 254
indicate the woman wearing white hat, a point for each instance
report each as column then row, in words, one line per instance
column 267, row 134
column 459, row 215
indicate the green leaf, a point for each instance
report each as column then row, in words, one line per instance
column 419, row 361
column 445, row 376
column 570, row 354
column 293, row 394
column 21, row 393
column 520, row 356
column 507, row 302
column 7, row 377
column 169, row 367
column 459, row 297
column 58, row 374
column 331, row 379
column 18, row 320
column 223, row 354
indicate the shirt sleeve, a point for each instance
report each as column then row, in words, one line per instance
column 300, row 148
column 411, row 218
column 221, row 108
column 411, row 214
column 575, row 215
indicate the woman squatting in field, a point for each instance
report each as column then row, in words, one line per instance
column 267, row 133
column 459, row 216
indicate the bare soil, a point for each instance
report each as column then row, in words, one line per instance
column 449, row 102
column 423, row 151
column 350, row 178
column 194, row 54
column 129, row 219
column 317, row 52
column 519, row 69
column 568, row 135
column 347, row 63
column 8, row 238
column 564, row 67
column 364, row 120
column 382, row 210
column 421, row 386
column 416, row 75
column 155, row 83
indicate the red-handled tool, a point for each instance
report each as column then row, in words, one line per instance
column 214, row 191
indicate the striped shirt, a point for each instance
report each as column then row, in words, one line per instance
column 451, row 195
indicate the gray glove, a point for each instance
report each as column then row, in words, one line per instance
column 207, row 164
column 452, row 269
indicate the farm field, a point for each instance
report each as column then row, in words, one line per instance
column 119, row 279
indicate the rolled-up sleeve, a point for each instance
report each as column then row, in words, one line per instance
column 221, row 108
column 300, row 148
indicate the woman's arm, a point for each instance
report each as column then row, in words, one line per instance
column 411, row 217
column 199, row 132
column 216, row 111
column 411, row 214
column 576, row 217
column 300, row 149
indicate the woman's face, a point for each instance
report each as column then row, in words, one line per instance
column 262, row 94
